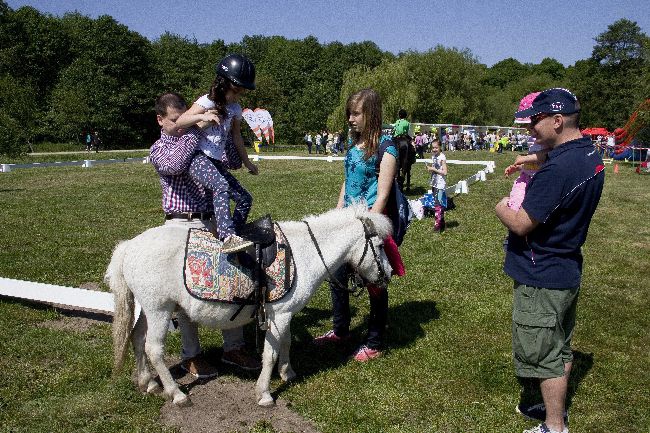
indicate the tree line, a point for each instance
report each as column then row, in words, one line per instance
column 63, row 76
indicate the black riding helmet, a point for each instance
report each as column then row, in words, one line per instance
column 238, row 69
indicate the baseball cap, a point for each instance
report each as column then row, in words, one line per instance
column 525, row 103
column 553, row 101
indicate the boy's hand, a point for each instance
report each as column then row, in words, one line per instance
column 211, row 117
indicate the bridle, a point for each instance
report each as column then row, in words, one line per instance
column 359, row 282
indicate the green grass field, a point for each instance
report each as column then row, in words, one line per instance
column 448, row 365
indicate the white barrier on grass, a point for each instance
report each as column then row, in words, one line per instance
column 462, row 187
column 86, row 163
column 69, row 297
column 48, row 293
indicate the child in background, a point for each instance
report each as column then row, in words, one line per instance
column 235, row 74
column 438, row 182
column 526, row 164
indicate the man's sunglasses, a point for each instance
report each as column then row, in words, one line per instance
column 534, row 120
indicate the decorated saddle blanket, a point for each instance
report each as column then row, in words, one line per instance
column 213, row 276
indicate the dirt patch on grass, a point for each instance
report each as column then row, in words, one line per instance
column 75, row 324
column 227, row 404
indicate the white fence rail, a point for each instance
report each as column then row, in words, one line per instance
column 462, row 187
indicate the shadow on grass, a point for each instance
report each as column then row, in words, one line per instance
column 416, row 192
column 582, row 363
column 405, row 326
column 405, row 322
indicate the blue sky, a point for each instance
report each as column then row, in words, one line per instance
column 528, row 31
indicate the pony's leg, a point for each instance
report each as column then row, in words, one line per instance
column 146, row 382
column 155, row 347
column 284, row 362
column 279, row 327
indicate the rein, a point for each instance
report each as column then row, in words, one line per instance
column 359, row 281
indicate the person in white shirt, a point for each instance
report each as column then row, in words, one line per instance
column 438, row 182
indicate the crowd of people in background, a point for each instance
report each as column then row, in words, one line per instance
column 494, row 141
column 324, row 142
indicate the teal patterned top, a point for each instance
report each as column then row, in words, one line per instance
column 360, row 177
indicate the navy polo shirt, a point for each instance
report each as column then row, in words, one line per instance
column 562, row 197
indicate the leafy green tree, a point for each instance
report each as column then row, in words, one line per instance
column 17, row 115
column 623, row 42
column 550, row 67
column 111, row 77
column 34, row 47
column 421, row 83
column 178, row 64
column 506, row 71
column 501, row 104
column 613, row 82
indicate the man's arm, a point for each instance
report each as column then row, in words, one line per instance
column 518, row 222
column 173, row 158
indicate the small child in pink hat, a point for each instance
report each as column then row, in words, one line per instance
column 526, row 164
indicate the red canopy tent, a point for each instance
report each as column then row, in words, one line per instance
column 595, row 131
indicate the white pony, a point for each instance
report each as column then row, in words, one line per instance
column 149, row 267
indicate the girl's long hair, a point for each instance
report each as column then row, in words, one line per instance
column 217, row 94
column 370, row 102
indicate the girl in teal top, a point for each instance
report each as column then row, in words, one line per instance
column 362, row 182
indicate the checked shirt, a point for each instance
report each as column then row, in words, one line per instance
column 171, row 157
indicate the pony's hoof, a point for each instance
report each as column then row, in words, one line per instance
column 266, row 400
column 153, row 388
column 288, row 376
column 182, row 401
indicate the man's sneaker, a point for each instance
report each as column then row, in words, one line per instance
column 365, row 353
column 241, row 359
column 199, row 368
column 542, row 428
column 536, row 412
column 234, row 244
column 329, row 337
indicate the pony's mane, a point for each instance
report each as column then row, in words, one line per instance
column 358, row 210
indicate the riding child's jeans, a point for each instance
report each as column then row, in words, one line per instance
column 213, row 175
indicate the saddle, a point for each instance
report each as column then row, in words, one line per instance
column 244, row 278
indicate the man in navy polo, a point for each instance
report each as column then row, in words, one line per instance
column 544, row 256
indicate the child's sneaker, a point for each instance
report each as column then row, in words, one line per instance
column 328, row 337
column 234, row 244
column 365, row 353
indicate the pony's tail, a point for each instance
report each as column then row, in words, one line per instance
column 124, row 307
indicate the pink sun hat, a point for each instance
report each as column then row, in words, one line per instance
column 525, row 103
